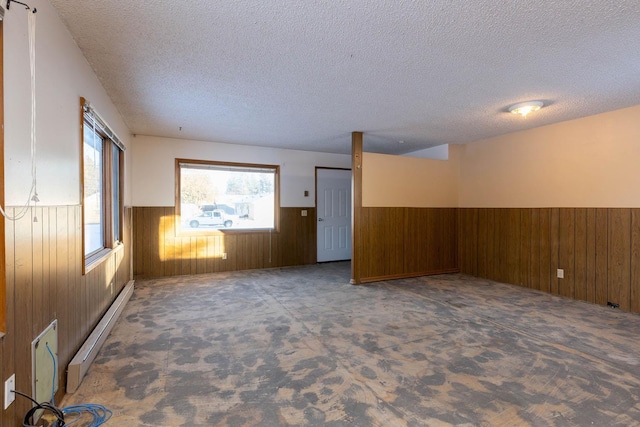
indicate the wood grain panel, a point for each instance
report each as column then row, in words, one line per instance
column 525, row 231
column 591, row 255
column 581, row 233
column 433, row 239
column 619, row 274
column 598, row 249
column 8, row 342
column 168, row 254
column 483, row 242
column 602, row 255
column 405, row 242
column 635, row 260
column 566, row 252
column 501, row 236
column 545, row 250
column 555, row 249
column 450, row 243
column 416, row 218
column 491, row 243
column 534, row 242
column 45, row 282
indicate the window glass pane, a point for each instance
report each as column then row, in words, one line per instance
column 93, row 200
column 116, row 193
column 222, row 197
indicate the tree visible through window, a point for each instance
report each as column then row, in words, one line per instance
column 215, row 195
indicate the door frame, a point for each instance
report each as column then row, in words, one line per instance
column 316, row 202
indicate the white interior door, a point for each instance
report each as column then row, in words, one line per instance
column 333, row 190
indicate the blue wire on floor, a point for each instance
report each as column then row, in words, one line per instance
column 99, row 413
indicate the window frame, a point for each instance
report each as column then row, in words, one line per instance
column 179, row 162
column 88, row 117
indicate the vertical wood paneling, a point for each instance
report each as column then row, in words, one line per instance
column 566, row 252
column 525, row 248
column 433, row 239
column 591, row 256
column 24, row 308
column 513, row 246
column 450, row 244
column 534, row 242
column 635, row 260
column 412, row 244
column 581, row 234
column 170, row 254
column 491, row 244
column 8, row 343
column 545, row 250
column 555, row 249
column 602, row 256
column 501, row 236
column 45, row 282
column 598, row 249
column 483, row 242
column 619, row 274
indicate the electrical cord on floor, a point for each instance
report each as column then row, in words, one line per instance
column 28, row 420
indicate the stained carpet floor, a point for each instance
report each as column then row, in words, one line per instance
column 300, row 346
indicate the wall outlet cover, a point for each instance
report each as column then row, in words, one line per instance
column 560, row 273
column 9, row 396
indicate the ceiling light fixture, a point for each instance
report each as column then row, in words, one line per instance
column 525, row 108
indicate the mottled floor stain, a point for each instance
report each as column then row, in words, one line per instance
column 302, row 347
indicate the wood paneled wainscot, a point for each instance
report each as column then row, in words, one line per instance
column 45, row 282
column 404, row 242
column 598, row 250
column 160, row 251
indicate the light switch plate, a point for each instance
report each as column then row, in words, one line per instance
column 560, row 273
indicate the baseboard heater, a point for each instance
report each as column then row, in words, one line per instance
column 84, row 357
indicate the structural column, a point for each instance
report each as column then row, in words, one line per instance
column 356, row 207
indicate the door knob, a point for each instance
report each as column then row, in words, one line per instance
column 320, row 219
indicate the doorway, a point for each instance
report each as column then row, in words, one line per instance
column 333, row 201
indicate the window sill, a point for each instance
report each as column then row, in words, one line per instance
column 99, row 257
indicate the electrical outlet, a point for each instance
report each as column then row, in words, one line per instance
column 303, row 212
column 9, row 396
column 224, row 255
column 560, row 273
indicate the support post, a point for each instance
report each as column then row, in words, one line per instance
column 356, row 207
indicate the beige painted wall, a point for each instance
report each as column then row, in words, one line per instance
column 588, row 162
column 154, row 167
column 410, row 182
column 63, row 75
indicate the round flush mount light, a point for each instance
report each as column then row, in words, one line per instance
column 524, row 108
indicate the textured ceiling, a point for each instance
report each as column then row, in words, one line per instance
column 304, row 74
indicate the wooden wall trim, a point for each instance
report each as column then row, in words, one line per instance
column 598, row 249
